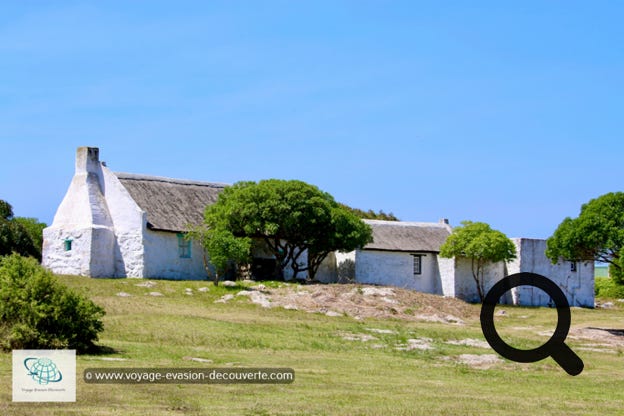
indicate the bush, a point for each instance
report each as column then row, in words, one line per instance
column 605, row 287
column 36, row 311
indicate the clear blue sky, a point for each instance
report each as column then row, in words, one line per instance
column 510, row 113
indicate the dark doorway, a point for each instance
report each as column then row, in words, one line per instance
column 264, row 269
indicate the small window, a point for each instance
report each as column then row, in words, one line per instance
column 67, row 244
column 184, row 247
column 417, row 264
column 573, row 266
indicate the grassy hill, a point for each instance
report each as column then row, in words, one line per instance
column 401, row 361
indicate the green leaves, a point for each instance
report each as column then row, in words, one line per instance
column 21, row 235
column 290, row 216
column 482, row 245
column 477, row 240
column 596, row 235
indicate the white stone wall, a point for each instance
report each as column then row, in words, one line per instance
column 465, row 285
column 397, row 269
column 75, row 261
column 130, row 226
column 162, row 258
column 345, row 266
column 578, row 286
column 447, row 275
column 327, row 271
column 82, row 217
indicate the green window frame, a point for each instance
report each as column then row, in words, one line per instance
column 184, row 246
column 67, row 244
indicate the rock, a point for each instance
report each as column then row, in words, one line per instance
column 416, row 344
column 377, row 291
column 357, row 337
column 147, row 284
column 202, row 289
column 155, row 294
column 124, row 295
column 502, row 312
column 228, row 283
column 224, row 298
column 260, row 287
column 381, row 331
column 470, row 342
column 482, row 361
column 332, row 313
column 199, row 360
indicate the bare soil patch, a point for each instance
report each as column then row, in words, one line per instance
column 365, row 301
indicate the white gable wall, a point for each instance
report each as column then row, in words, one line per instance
column 578, row 286
column 83, row 218
column 130, row 226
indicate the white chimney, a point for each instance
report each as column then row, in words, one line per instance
column 87, row 160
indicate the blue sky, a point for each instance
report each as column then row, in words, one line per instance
column 505, row 112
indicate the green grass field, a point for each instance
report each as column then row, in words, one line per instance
column 334, row 376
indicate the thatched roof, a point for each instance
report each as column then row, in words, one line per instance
column 170, row 204
column 407, row 236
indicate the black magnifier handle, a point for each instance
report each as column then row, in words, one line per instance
column 567, row 359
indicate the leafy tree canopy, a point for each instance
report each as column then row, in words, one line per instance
column 21, row 235
column 290, row 216
column 481, row 244
column 597, row 234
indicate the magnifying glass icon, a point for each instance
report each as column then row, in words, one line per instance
column 555, row 346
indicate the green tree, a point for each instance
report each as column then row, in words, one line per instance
column 221, row 249
column 597, row 234
column 482, row 245
column 34, row 229
column 16, row 235
column 291, row 217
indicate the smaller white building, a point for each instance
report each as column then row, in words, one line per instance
column 406, row 255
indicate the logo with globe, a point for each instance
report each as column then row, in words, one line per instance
column 43, row 370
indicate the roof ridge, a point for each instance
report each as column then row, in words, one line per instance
column 405, row 223
column 140, row 177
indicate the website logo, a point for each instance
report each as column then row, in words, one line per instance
column 43, row 370
column 44, row 375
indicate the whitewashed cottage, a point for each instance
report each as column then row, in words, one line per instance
column 125, row 225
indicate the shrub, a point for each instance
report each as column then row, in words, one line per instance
column 606, row 287
column 36, row 311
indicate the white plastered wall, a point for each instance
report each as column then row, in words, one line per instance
column 83, row 219
column 578, row 286
column 397, row 269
